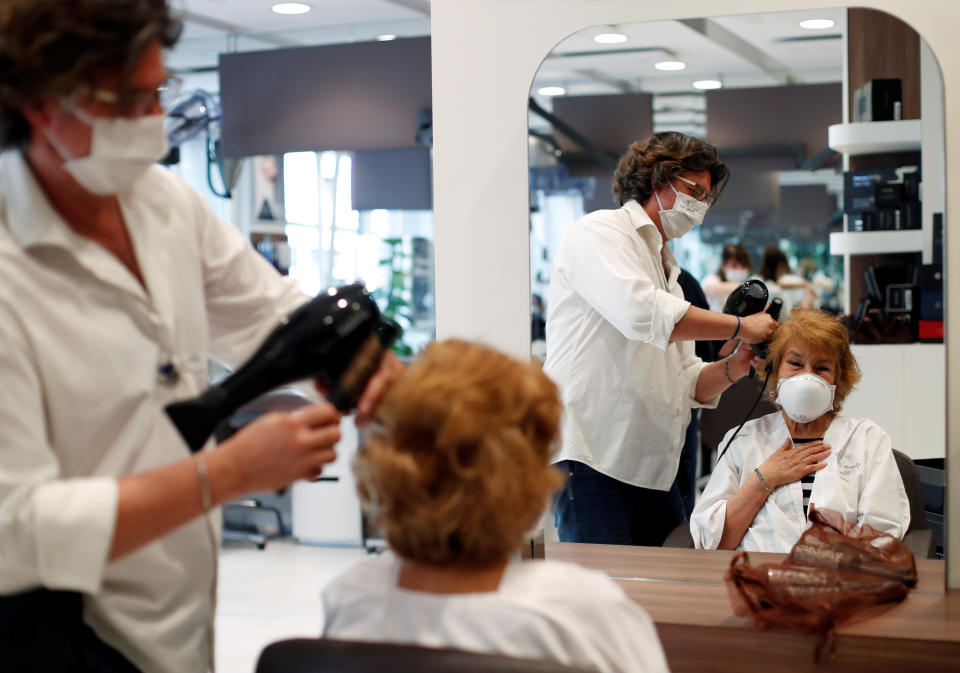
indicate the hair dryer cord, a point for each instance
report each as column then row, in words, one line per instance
column 747, row 417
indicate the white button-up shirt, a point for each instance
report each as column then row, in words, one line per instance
column 81, row 400
column 861, row 481
column 627, row 390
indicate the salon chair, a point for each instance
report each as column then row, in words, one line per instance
column 918, row 538
column 240, row 516
column 322, row 655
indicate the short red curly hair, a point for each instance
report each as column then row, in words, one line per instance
column 459, row 468
column 824, row 331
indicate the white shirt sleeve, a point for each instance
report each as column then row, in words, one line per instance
column 246, row 297
column 603, row 267
column 54, row 532
column 692, row 368
column 710, row 513
column 883, row 502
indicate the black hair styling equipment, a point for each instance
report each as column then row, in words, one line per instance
column 750, row 298
column 338, row 337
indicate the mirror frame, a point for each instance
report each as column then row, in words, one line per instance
column 485, row 56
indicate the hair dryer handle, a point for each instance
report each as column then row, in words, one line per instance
column 776, row 305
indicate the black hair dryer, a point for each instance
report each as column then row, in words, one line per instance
column 339, row 337
column 749, row 298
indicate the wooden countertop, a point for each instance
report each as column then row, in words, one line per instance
column 686, row 595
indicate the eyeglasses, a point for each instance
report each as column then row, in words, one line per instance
column 700, row 193
column 138, row 102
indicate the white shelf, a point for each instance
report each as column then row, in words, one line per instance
column 875, row 242
column 875, row 137
column 267, row 228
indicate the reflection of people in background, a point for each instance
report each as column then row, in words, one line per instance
column 619, row 345
column 806, row 453
column 455, row 474
column 794, row 290
column 735, row 267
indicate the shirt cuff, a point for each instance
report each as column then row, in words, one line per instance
column 692, row 374
column 667, row 312
column 75, row 523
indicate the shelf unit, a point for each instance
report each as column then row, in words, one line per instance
column 861, row 138
column 875, row 242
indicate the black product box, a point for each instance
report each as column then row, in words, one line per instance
column 878, row 100
column 930, row 284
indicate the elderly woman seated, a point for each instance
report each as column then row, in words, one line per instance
column 455, row 475
column 758, row 494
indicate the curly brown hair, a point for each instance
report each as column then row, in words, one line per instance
column 51, row 48
column 459, row 469
column 822, row 330
column 649, row 164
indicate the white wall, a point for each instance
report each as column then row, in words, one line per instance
column 485, row 55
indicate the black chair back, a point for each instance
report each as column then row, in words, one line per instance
column 323, row 655
column 914, row 488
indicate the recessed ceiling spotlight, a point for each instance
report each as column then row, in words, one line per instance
column 291, row 8
column 670, row 65
column 551, row 91
column 817, row 24
column 609, row 38
column 707, row 84
column 386, row 37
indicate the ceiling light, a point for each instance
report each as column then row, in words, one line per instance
column 670, row 65
column 609, row 38
column 291, row 8
column 386, row 37
column 817, row 24
column 707, row 84
column 551, row 91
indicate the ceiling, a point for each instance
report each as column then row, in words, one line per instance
column 215, row 26
column 742, row 51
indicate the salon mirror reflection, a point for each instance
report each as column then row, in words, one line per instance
column 830, row 135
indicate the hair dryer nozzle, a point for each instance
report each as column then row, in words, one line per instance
column 749, row 298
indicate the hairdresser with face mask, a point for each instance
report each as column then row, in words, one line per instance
column 116, row 281
column 620, row 346
column 807, row 453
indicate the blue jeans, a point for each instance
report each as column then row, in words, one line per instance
column 593, row 507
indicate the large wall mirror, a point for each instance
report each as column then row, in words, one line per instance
column 831, row 122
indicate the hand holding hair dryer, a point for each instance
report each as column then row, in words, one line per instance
column 339, row 337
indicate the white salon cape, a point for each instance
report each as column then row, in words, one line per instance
column 861, row 481
column 541, row 610
column 82, row 399
column 627, row 390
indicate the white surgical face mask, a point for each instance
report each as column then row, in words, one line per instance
column 735, row 275
column 805, row 397
column 686, row 213
column 121, row 151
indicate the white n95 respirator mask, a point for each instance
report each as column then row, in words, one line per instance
column 686, row 213
column 121, row 151
column 805, row 397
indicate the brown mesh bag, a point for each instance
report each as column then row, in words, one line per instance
column 835, row 570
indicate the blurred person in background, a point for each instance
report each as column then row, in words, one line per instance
column 735, row 267
column 781, row 282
